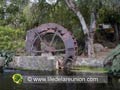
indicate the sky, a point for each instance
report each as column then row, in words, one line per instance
column 34, row 0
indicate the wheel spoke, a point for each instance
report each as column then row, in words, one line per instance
column 33, row 43
column 41, row 39
column 53, row 38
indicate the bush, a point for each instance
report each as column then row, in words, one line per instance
column 112, row 61
column 11, row 39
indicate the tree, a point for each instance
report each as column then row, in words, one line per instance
column 109, row 13
column 11, row 12
column 89, row 33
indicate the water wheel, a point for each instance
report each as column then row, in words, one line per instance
column 51, row 38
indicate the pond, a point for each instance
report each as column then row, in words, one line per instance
column 6, row 82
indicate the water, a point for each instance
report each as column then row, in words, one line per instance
column 6, row 82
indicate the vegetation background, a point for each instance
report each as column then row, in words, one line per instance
column 18, row 16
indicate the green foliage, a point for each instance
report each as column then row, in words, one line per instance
column 11, row 39
column 26, row 15
column 8, row 56
column 107, row 11
column 11, row 13
column 112, row 61
column 108, row 16
column 86, row 7
column 42, row 12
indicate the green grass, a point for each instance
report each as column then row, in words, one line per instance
column 88, row 69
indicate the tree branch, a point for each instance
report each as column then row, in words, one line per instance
column 71, row 4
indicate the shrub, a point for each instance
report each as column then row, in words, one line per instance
column 112, row 61
column 11, row 39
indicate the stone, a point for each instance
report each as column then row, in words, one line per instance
column 33, row 63
column 98, row 47
column 48, row 63
column 89, row 62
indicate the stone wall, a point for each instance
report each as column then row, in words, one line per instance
column 93, row 62
column 48, row 62
column 32, row 63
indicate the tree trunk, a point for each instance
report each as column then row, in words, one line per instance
column 89, row 35
column 116, row 33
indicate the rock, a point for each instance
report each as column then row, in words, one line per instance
column 89, row 62
column 98, row 47
column 59, row 62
